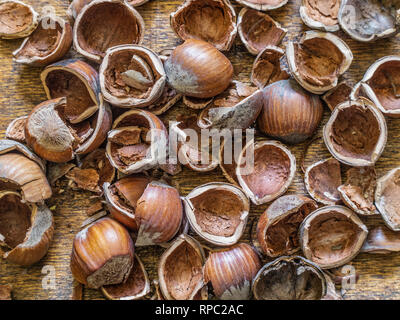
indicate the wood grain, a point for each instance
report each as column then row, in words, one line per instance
column 21, row 90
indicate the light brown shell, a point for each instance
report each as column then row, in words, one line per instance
column 263, row 5
column 322, row 15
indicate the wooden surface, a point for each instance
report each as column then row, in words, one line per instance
column 21, row 90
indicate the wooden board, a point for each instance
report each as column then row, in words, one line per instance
column 21, row 90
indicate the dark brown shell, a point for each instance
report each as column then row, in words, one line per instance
column 337, row 95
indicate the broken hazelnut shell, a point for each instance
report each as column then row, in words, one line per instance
column 356, row 133
column 180, row 270
column 322, row 15
column 213, row 21
column 231, row 271
column 16, row 129
column 338, row 95
column 18, row 19
column 318, row 60
column 116, row 21
column 45, row 46
column 289, row 278
column 217, row 212
column 263, row 5
column 387, row 198
column 147, row 76
column 382, row 240
column 289, row 113
column 332, row 236
column 75, row 8
column 272, row 174
column 197, row 69
column 278, row 226
column 102, row 254
column 258, row 30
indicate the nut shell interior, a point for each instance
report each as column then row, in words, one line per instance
column 337, row 95
column 16, row 129
column 322, row 15
column 263, row 5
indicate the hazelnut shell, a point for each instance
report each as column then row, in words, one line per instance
column 322, row 15
column 263, row 5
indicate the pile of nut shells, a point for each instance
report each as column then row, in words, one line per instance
column 101, row 130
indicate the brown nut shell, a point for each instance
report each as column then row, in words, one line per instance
column 318, row 60
column 26, row 229
column 332, row 236
column 258, row 30
column 46, row 44
column 263, row 5
column 213, row 21
column 131, row 76
column 356, row 133
column 289, row 113
column 16, row 129
column 277, row 229
column 358, row 192
column 168, row 99
column 231, row 271
column 381, row 85
column 338, row 95
column 387, row 198
column 148, row 151
column 322, row 180
column 136, row 287
column 102, row 254
column 75, row 8
column 382, row 240
column 18, row 20
column 322, row 15
column 117, row 22
column 367, row 20
column 180, row 270
column 218, row 212
column 197, row 69
column 270, row 174
column 289, row 278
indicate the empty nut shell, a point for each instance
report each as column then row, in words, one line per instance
column 356, row 133
column 18, row 20
column 102, row 254
column 116, row 21
column 289, row 113
column 338, row 95
column 132, row 76
column 258, row 30
column 387, row 199
column 16, row 129
column 289, row 278
column 269, row 175
column 263, row 5
column 180, row 270
column 277, row 229
column 322, row 15
column 381, row 85
column 137, row 284
column 382, row 240
column 218, row 212
column 197, row 69
column 213, row 21
column 318, row 60
column 322, row 180
column 46, row 44
column 231, row 271
column 332, row 236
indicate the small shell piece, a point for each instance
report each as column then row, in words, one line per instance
column 322, row 15
column 266, row 170
column 263, row 5
column 218, row 212
column 136, row 286
column 50, row 41
column 387, row 198
column 337, row 95
column 213, row 21
column 367, row 20
column 17, row 19
column 356, row 133
column 180, row 270
column 289, row 278
column 117, row 22
column 267, row 67
column 332, row 236
column 26, row 229
column 318, row 60
column 131, row 76
column 16, row 129
column 277, row 229
column 258, row 30
column 136, row 3
column 382, row 240
column 75, row 8
column 231, row 271
column 381, row 84
column 322, row 180
column 359, row 190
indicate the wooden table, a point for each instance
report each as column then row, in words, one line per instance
column 21, row 90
